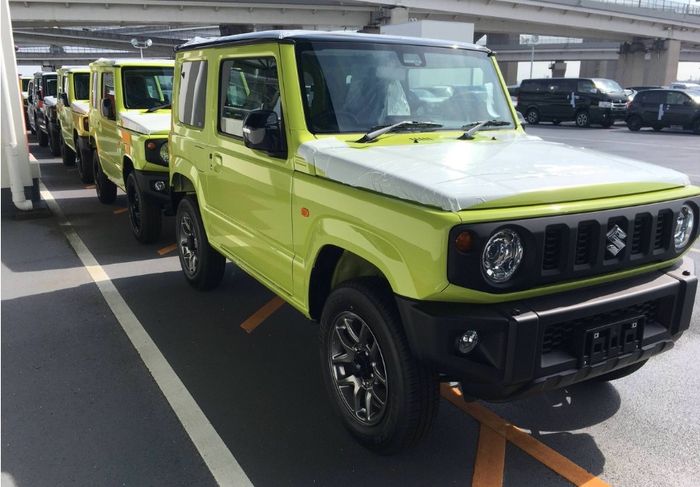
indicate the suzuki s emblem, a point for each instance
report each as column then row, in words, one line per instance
column 616, row 240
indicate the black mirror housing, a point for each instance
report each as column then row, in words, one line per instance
column 107, row 109
column 262, row 130
column 64, row 99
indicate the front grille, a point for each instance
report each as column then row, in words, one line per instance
column 645, row 233
column 560, row 336
column 569, row 247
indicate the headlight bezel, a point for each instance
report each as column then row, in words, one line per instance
column 690, row 221
column 153, row 155
column 502, row 273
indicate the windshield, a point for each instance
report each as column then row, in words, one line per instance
column 147, row 87
column 607, row 85
column 355, row 87
column 81, row 86
column 50, row 85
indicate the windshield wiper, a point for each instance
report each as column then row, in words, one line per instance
column 158, row 107
column 373, row 134
column 474, row 127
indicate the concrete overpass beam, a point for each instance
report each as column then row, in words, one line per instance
column 645, row 62
column 598, row 69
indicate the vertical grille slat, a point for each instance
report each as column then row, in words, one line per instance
column 662, row 231
column 552, row 251
column 585, row 243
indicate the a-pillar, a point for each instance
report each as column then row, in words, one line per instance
column 509, row 69
column 648, row 63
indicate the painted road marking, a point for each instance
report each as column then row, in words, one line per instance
column 168, row 249
column 119, row 211
column 490, row 459
column 262, row 314
column 554, row 460
column 219, row 459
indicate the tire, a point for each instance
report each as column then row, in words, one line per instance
column 144, row 217
column 84, row 165
column 532, row 115
column 106, row 189
column 583, row 119
column 620, row 373
column 406, row 398
column 202, row 266
column 67, row 154
column 55, row 143
column 634, row 123
column 43, row 138
column 556, row 122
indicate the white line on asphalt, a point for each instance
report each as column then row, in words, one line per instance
column 219, row 459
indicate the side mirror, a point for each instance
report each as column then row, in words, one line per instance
column 107, row 109
column 521, row 118
column 40, row 95
column 30, row 99
column 262, row 130
column 64, row 99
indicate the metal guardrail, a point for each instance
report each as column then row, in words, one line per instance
column 664, row 5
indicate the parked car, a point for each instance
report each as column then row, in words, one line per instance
column 642, row 88
column 129, row 122
column 431, row 238
column 41, row 110
column 665, row 108
column 684, row 85
column 24, row 82
column 584, row 100
column 72, row 107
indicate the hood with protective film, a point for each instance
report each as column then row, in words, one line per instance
column 461, row 174
column 156, row 123
column 80, row 107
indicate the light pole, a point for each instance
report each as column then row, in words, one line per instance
column 141, row 45
column 534, row 39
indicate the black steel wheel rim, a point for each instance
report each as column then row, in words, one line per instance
column 357, row 368
column 189, row 244
column 134, row 207
column 582, row 118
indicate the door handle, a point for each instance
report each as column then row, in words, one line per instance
column 216, row 162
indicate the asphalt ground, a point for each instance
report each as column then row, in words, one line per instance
column 80, row 405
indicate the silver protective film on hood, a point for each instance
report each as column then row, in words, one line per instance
column 457, row 175
column 147, row 123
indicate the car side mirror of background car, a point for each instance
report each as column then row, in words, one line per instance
column 107, row 108
column 64, row 99
column 30, row 99
column 521, row 119
column 262, row 130
column 39, row 95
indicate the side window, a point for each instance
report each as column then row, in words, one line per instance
column 95, row 90
column 586, row 86
column 654, row 97
column 246, row 85
column 191, row 97
column 108, row 86
column 676, row 98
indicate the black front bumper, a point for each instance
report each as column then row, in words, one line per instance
column 534, row 345
column 602, row 115
column 149, row 182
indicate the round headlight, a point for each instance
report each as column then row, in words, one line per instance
column 685, row 221
column 502, row 255
column 164, row 153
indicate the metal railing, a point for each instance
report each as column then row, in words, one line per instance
column 675, row 6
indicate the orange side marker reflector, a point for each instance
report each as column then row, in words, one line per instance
column 262, row 314
column 168, row 249
column 119, row 211
column 490, row 459
column 305, row 212
column 533, row 447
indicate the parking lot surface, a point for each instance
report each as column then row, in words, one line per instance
column 85, row 401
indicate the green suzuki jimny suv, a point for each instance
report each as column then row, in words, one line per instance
column 72, row 108
column 384, row 187
column 129, row 125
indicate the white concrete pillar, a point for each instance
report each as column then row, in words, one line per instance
column 648, row 62
column 18, row 174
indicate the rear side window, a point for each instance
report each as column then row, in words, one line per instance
column 533, row 85
column 95, row 90
column 676, row 98
column 655, row 97
column 81, row 86
column 191, row 97
column 247, row 85
column 586, row 86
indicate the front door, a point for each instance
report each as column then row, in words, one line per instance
column 679, row 109
column 248, row 193
column 107, row 134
